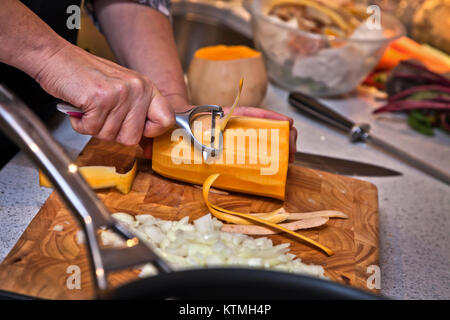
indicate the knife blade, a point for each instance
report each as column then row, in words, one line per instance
column 342, row 166
column 360, row 133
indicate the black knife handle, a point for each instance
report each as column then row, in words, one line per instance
column 313, row 108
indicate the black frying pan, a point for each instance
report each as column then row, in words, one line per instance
column 228, row 284
column 237, row 284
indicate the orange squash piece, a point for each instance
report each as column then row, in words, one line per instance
column 99, row 177
column 261, row 173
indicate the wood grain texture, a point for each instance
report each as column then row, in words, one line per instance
column 37, row 265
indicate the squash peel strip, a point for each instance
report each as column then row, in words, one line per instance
column 223, row 122
column 223, row 216
column 274, row 216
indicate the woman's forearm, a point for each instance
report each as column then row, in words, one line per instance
column 142, row 39
column 26, row 42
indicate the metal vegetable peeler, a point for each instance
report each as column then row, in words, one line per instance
column 183, row 120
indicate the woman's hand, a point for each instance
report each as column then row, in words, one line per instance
column 118, row 103
column 147, row 144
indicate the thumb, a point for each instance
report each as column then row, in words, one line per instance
column 160, row 116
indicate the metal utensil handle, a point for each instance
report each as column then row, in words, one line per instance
column 313, row 108
column 183, row 120
column 19, row 123
column 410, row 159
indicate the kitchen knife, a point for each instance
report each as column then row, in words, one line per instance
column 360, row 132
column 342, row 166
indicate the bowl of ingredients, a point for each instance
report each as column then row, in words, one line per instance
column 320, row 48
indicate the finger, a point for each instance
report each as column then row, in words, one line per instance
column 147, row 147
column 113, row 123
column 292, row 143
column 95, row 113
column 86, row 126
column 132, row 127
column 160, row 116
column 261, row 113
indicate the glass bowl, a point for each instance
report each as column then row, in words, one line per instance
column 316, row 64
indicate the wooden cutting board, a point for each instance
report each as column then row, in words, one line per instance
column 38, row 263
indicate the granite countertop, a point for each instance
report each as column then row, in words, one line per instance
column 414, row 214
column 413, row 208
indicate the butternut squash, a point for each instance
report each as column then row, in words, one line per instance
column 214, row 72
column 99, row 177
column 254, row 159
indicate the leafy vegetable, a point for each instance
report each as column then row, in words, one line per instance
column 424, row 94
column 420, row 122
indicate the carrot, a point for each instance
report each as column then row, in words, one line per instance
column 391, row 58
column 417, row 51
column 436, row 52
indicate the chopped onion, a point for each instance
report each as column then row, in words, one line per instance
column 80, row 237
column 202, row 244
column 58, row 228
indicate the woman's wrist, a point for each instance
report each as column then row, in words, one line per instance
column 27, row 42
column 41, row 59
column 35, row 57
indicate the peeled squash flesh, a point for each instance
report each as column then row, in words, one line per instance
column 99, row 177
column 222, row 52
column 262, row 173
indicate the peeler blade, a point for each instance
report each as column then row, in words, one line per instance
column 206, row 155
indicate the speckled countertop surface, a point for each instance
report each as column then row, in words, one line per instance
column 414, row 208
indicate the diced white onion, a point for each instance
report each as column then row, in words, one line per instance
column 58, row 228
column 202, row 244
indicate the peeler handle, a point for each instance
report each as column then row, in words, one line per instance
column 183, row 120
